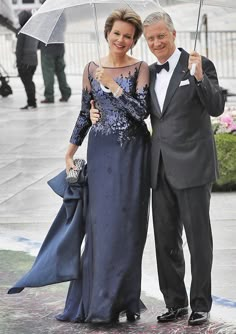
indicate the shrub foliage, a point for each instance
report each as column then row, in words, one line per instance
column 226, row 150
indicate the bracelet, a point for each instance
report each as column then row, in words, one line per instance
column 117, row 92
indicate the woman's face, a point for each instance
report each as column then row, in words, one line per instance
column 121, row 37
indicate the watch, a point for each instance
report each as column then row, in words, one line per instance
column 198, row 82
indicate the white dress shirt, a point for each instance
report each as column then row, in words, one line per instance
column 163, row 78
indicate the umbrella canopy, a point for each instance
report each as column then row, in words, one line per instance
column 55, row 18
column 221, row 3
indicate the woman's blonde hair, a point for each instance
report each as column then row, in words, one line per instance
column 125, row 15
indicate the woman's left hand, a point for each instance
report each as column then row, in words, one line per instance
column 94, row 113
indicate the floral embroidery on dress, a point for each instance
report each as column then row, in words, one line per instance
column 123, row 116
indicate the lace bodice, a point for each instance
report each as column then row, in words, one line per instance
column 123, row 116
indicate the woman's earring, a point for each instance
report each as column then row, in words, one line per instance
column 131, row 51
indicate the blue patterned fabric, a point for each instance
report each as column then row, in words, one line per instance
column 122, row 117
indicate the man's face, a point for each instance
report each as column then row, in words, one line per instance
column 161, row 40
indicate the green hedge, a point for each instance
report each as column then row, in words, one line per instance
column 226, row 151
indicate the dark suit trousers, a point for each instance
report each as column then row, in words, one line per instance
column 174, row 209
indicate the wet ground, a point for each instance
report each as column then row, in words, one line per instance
column 32, row 147
column 34, row 310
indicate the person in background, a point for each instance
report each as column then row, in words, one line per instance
column 27, row 61
column 53, row 63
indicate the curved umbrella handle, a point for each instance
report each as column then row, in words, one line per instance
column 193, row 69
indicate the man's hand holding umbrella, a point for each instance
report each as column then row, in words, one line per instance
column 195, row 65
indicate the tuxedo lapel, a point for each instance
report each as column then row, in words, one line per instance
column 179, row 73
column 155, row 104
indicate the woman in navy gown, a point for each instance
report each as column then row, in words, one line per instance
column 118, row 179
column 109, row 280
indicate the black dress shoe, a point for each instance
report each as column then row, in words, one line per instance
column 198, row 318
column 132, row 316
column 173, row 314
column 64, row 99
column 27, row 107
column 115, row 319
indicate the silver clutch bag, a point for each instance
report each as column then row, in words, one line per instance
column 73, row 175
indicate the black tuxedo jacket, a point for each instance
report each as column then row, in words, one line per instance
column 182, row 132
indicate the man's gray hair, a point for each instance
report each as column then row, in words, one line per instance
column 157, row 17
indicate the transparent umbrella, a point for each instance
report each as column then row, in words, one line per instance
column 56, row 18
column 220, row 3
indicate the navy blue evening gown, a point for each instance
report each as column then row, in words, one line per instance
column 118, row 183
column 109, row 278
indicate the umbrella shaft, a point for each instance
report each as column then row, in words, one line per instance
column 198, row 20
column 96, row 32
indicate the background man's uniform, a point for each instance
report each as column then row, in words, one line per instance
column 53, row 63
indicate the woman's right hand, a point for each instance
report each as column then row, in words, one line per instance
column 70, row 164
column 94, row 113
column 69, row 158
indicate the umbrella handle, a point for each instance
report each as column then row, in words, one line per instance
column 193, row 69
column 105, row 89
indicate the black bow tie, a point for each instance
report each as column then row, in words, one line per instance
column 160, row 67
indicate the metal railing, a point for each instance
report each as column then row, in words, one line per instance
column 220, row 46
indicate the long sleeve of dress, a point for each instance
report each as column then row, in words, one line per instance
column 83, row 122
column 136, row 105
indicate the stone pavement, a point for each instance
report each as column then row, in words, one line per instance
column 32, row 148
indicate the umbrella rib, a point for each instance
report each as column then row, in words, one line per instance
column 62, row 10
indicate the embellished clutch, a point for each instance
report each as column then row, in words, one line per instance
column 73, row 176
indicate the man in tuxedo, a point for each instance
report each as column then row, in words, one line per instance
column 184, row 166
